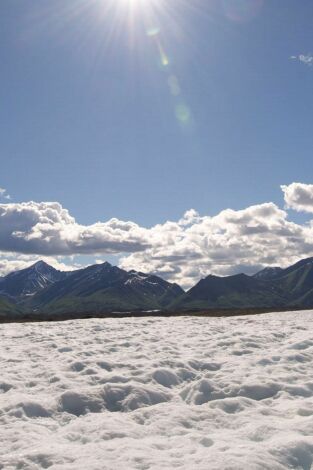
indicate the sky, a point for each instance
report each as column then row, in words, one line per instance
column 156, row 134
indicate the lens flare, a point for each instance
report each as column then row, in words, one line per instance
column 143, row 28
column 182, row 113
column 153, row 32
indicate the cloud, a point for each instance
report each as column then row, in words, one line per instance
column 228, row 243
column 299, row 196
column 181, row 251
column 4, row 194
column 306, row 59
column 47, row 228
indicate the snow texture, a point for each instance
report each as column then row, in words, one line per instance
column 158, row 393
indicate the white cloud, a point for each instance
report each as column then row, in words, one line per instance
column 228, row 243
column 182, row 251
column 299, row 196
column 4, row 194
column 47, row 228
column 306, row 59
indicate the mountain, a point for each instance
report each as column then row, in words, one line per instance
column 8, row 309
column 239, row 291
column 29, row 281
column 268, row 274
column 269, row 288
column 103, row 288
column 106, row 288
column 297, row 283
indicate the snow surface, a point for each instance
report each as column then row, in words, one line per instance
column 158, row 393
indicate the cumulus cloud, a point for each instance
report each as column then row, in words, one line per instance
column 306, row 59
column 181, row 251
column 47, row 228
column 299, row 196
column 228, row 243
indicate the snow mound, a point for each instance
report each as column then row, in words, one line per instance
column 151, row 393
column 111, row 397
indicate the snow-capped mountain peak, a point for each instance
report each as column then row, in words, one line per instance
column 30, row 280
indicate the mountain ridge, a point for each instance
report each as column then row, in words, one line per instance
column 103, row 288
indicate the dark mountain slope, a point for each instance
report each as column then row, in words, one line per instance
column 8, row 309
column 268, row 274
column 297, row 283
column 295, row 267
column 239, row 291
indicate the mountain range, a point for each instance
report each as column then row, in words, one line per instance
column 99, row 288
column 41, row 290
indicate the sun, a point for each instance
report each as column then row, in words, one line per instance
column 136, row 8
column 137, row 13
column 137, row 3
column 141, row 5
column 134, row 2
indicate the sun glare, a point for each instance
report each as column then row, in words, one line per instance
column 138, row 3
column 156, row 16
column 148, row 30
column 133, row 2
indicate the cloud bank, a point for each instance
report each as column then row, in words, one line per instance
column 182, row 251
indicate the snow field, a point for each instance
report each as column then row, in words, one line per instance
column 158, row 393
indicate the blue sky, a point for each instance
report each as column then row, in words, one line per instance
column 88, row 118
